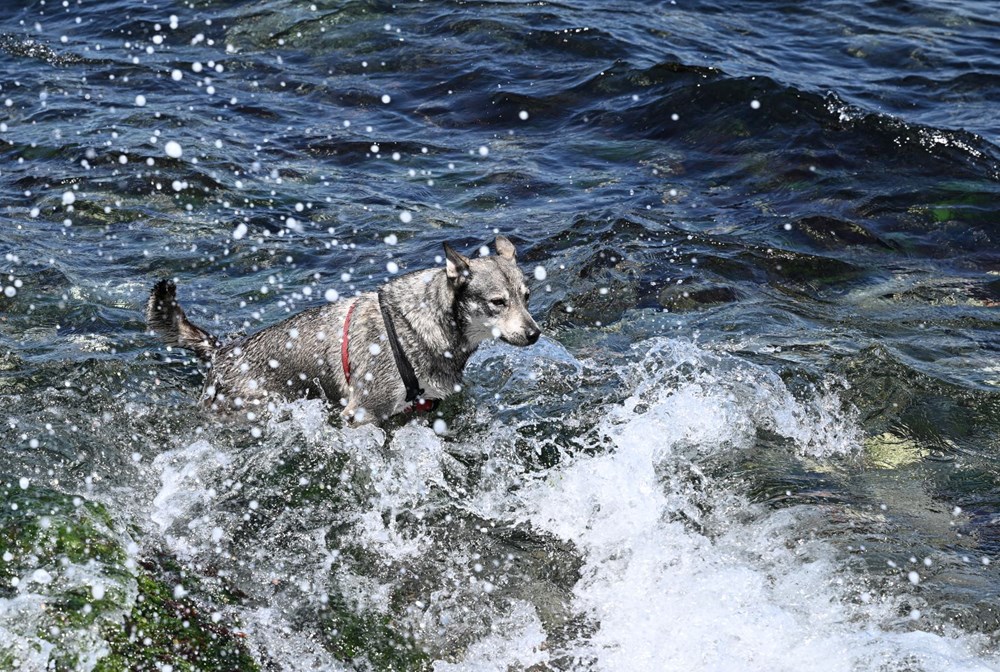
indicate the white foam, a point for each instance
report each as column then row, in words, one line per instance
column 183, row 473
column 190, row 516
column 739, row 587
column 517, row 642
column 402, row 478
column 270, row 638
column 34, row 634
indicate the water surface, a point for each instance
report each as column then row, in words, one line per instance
column 759, row 432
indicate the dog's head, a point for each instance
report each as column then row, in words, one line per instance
column 491, row 296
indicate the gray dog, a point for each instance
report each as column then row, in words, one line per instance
column 379, row 353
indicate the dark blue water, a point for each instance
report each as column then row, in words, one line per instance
column 760, row 432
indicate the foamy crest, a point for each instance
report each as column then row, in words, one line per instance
column 683, row 573
column 184, row 473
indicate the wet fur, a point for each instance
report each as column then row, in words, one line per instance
column 441, row 316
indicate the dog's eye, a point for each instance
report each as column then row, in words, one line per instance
column 499, row 302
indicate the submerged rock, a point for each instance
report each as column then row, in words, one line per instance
column 831, row 233
column 596, row 306
column 681, row 298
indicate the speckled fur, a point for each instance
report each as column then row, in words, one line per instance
column 441, row 316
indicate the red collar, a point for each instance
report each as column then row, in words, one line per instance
column 344, row 358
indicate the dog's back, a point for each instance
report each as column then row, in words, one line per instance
column 298, row 357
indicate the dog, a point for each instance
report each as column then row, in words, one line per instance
column 381, row 353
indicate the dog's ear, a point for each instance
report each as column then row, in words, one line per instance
column 505, row 248
column 456, row 265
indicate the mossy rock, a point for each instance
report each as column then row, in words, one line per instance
column 596, row 306
column 805, row 268
column 164, row 629
column 351, row 636
column 63, row 577
column 75, row 599
column 831, row 233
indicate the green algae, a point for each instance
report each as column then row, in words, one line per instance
column 64, row 576
column 350, row 636
column 162, row 629
column 77, row 600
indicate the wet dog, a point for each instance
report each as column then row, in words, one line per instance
column 378, row 353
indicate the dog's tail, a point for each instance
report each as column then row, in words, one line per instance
column 166, row 317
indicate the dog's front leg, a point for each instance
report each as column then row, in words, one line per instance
column 354, row 413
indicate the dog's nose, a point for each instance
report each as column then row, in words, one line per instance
column 532, row 334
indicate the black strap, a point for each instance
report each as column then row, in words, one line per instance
column 413, row 389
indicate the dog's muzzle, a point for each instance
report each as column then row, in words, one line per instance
column 530, row 337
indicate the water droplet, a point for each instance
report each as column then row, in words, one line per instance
column 173, row 149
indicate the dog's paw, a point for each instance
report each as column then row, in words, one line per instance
column 354, row 415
